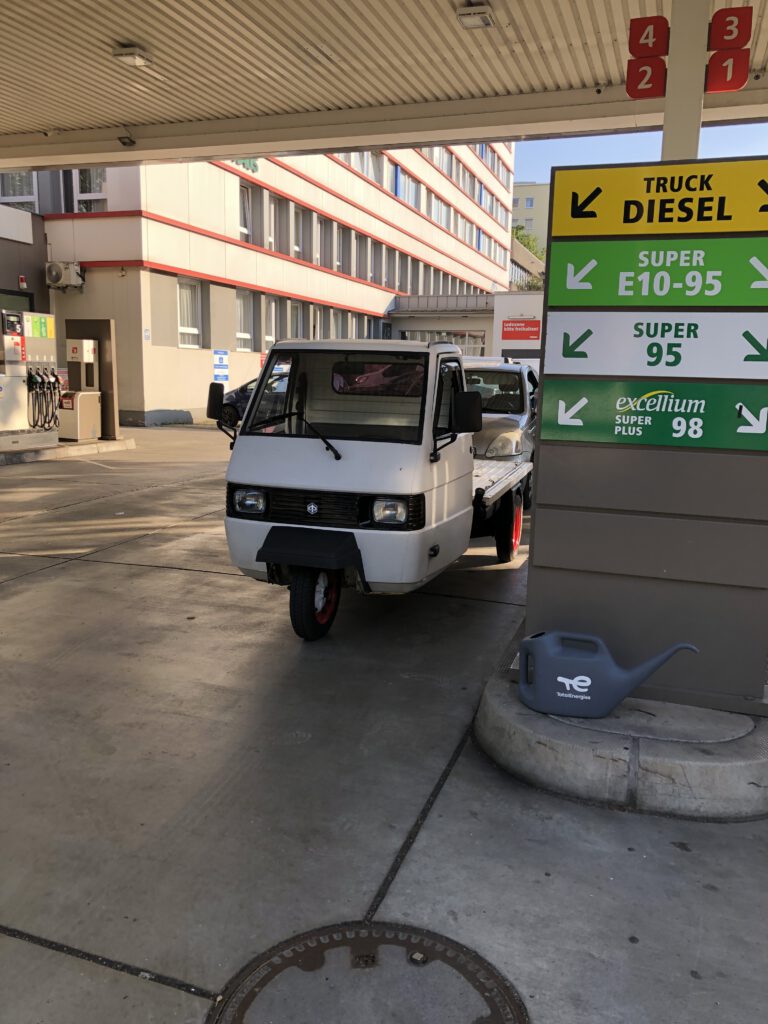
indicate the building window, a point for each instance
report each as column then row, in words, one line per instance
column 377, row 262
column 415, row 288
column 89, row 189
column 529, row 223
column 190, row 313
column 340, row 321
column 516, row 202
column 406, row 187
column 19, row 190
column 362, row 257
column 280, row 225
column 404, row 275
column 529, row 202
column 271, row 233
column 244, row 309
column 390, row 268
column 246, row 215
column 302, row 233
column 343, row 249
column 299, row 319
column 325, row 235
column 270, row 319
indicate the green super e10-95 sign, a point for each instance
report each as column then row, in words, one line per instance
column 652, row 412
column 668, row 273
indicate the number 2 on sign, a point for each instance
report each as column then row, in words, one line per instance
column 693, row 427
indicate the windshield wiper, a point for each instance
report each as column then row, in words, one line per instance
column 290, row 415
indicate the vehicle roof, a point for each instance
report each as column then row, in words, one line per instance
column 366, row 345
column 489, row 363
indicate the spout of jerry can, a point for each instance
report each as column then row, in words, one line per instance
column 636, row 676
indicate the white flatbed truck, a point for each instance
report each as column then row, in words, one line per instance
column 353, row 466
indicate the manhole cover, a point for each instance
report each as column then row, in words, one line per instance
column 377, row 973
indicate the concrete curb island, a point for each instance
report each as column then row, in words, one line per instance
column 74, row 450
column 646, row 756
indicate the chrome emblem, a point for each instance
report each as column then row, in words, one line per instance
column 313, row 508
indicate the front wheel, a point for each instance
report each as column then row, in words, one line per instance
column 314, row 601
column 509, row 526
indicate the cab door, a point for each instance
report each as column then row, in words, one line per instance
column 452, row 473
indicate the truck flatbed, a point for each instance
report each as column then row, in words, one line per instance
column 495, row 477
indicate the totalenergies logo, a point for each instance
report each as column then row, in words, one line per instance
column 660, row 401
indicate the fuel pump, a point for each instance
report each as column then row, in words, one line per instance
column 80, row 407
column 13, row 371
column 29, row 384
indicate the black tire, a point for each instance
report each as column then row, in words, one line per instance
column 230, row 417
column 509, row 526
column 309, row 621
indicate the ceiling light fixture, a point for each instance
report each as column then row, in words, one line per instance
column 132, row 56
column 476, row 16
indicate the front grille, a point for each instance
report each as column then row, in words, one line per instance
column 334, row 509
column 338, row 509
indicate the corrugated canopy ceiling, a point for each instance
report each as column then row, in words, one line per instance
column 227, row 59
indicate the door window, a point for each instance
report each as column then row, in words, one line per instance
column 449, row 382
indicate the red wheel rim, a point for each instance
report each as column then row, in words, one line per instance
column 331, row 598
column 517, row 527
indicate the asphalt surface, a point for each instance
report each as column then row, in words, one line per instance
column 184, row 784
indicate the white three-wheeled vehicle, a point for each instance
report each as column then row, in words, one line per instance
column 354, row 467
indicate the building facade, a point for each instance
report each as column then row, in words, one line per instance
column 192, row 260
column 530, row 209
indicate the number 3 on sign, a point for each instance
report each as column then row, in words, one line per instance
column 646, row 78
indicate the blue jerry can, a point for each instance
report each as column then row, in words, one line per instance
column 574, row 674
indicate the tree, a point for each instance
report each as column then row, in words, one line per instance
column 530, row 241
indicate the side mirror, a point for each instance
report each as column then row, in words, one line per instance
column 466, row 412
column 215, row 406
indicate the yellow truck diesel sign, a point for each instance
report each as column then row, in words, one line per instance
column 725, row 196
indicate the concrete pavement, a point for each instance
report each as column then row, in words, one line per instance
column 184, row 783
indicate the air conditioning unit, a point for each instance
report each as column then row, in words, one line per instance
column 59, row 274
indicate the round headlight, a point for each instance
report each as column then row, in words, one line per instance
column 249, row 501
column 504, row 446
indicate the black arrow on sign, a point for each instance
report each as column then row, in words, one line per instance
column 763, row 184
column 579, row 207
column 572, row 349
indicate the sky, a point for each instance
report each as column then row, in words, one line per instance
column 534, row 160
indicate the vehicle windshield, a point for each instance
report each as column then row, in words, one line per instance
column 501, row 391
column 366, row 396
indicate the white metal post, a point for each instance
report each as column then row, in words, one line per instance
column 685, row 79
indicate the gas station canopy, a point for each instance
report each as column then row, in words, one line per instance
column 99, row 81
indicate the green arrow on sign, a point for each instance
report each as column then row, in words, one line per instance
column 571, row 349
column 760, row 355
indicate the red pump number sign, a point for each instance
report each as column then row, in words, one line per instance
column 730, row 31
column 647, row 69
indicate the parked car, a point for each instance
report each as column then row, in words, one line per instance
column 236, row 401
column 509, row 395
